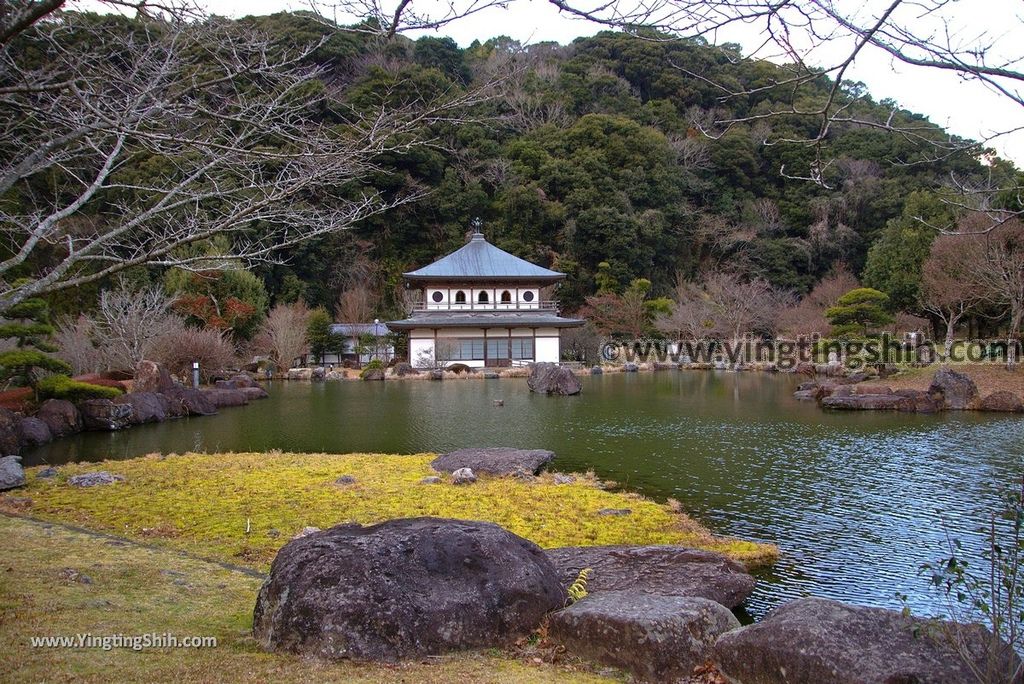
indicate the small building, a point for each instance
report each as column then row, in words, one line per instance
column 359, row 343
column 481, row 307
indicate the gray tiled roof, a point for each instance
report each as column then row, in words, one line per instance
column 357, row 329
column 478, row 319
column 480, row 259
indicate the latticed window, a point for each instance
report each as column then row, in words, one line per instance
column 522, row 348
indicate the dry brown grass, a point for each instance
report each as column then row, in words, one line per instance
column 989, row 378
column 59, row 582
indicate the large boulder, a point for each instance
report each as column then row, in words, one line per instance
column 1002, row 401
column 252, row 393
column 919, row 401
column 190, row 402
column 372, row 374
column 403, row 369
column 550, row 378
column 656, row 638
column 104, row 414
column 10, row 435
column 12, row 475
column 240, row 381
column 818, row 640
column 61, row 417
column 226, row 397
column 661, row 570
column 33, row 432
column 299, row 374
column 867, row 402
column 494, row 460
column 956, row 390
column 147, row 407
column 405, row 588
column 150, row 376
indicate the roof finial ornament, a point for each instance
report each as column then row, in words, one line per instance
column 478, row 228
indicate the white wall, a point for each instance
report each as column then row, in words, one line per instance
column 547, row 349
column 473, row 295
column 420, row 349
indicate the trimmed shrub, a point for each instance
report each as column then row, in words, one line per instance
column 63, row 387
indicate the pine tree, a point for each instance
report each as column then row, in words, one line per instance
column 28, row 323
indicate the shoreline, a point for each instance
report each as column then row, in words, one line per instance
column 296, row 491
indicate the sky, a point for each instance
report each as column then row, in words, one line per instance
column 968, row 109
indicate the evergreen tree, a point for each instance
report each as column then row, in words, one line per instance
column 28, row 323
column 858, row 312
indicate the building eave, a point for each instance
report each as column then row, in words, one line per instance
column 478, row 320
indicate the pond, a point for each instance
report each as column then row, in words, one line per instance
column 855, row 501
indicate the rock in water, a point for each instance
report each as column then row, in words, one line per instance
column 656, row 638
column 252, row 393
column 61, row 417
column 1002, row 401
column 190, row 402
column 818, row 640
column 494, row 460
column 147, row 407
column 104, row 414
column 663, row 570
column 151, row 377
column 221, row 397
column 550, row 378
column 372, row 374
column 402, row 369
column 12, row 475
column 956, row 390
column 405, row 588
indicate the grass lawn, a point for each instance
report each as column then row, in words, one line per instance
column 57, row 582
column 241, row 508
column 168, row 527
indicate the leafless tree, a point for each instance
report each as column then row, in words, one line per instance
column 283, row 334
column 946, row 277
column 208, row 347
column 724, row 305
column 581, row 344
column 128, row 324
column 222, row 115
column 356, row 305
column 999, row 276
column 807, row 316
column 76, row 342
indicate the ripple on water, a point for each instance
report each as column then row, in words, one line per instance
column 855, row 501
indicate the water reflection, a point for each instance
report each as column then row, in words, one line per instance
column 853, row 500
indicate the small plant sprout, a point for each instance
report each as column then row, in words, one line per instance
column 578, row 589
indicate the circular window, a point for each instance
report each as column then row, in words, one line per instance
column 528, row 296
column 437, row 296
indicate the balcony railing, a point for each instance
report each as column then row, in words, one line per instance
column 549, row 305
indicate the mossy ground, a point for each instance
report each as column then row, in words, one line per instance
column 57, row 582
column 241, row 508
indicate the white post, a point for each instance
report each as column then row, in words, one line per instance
column 195, row 375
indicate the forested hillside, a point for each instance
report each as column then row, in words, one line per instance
column 587, row 154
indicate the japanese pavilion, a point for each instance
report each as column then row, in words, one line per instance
column 481, row 307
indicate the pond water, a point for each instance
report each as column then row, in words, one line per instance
column 855, row 501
